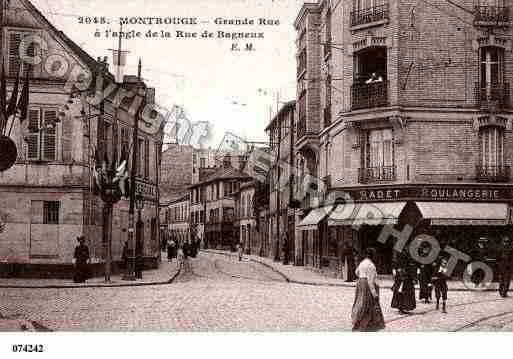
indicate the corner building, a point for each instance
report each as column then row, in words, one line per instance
column 409, row 112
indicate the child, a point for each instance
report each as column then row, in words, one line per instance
column 440, row 283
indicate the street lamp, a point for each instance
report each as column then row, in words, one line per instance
column 139, row 205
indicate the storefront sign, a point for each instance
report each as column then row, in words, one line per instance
column 453, row 193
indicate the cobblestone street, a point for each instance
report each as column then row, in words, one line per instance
column 220, row 293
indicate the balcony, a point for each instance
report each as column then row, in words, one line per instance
column 492, row 96
column 491, row 16
column 369, row 95
column 492, row 173
column 327, row 115
column 369, row 15
column 376, row 174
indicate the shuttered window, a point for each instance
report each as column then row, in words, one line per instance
column 49, row 143
column 41, row 138
column 32, row 139
column 15, row 38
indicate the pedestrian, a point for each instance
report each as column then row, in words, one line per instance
column 124, row 256
column 180, row 257
column 285, row 248
column 366, row 314
column 82, row 260
column 349, row 258
column 170, row 249
column 504, row 267
column 425, row 272
column 440, row 277
column 240, row 250
column 405, row 275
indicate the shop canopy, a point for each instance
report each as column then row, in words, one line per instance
column 315, row 217
column 373, row 214
column 464, row 214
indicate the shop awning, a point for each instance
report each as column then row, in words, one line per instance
column 314, row 217
column 464, row 214
column 378, row 213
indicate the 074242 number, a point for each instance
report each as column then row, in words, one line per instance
column 28, row 348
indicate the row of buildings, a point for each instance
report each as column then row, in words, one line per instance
column 402, row 106
column 47, row 199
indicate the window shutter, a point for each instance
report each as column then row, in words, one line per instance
column 32, row 138
column 49, row 145
column 66, row 139
column 14, row 58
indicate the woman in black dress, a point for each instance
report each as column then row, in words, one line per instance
column 81, row 261
column 405, row 274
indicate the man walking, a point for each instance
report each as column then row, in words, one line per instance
column 504, row 267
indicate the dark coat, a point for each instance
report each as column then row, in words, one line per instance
column 81, row 256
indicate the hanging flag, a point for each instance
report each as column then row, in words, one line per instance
column 23, row 103
column 11, row 108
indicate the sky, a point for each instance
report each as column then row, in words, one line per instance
column 233, row 91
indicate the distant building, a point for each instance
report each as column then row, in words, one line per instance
column 177, row 219
column 213, row 206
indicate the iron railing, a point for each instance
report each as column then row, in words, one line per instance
column 492, row 173
column 489, row 95
column 369, row 95
column 371, row 14
column 493, row 15
column 376, row 174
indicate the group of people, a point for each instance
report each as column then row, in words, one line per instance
column 367, row 314
column 182, row 251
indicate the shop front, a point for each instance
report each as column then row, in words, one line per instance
column 476, row 220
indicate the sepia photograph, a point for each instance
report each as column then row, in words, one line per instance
column 255, row 167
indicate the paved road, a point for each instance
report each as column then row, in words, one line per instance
column 222, row 294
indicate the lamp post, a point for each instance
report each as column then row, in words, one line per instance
column 139, row 246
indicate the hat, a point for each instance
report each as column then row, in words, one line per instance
column 81, row 238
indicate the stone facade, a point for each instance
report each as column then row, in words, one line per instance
column 421, row 97
column 47, row 197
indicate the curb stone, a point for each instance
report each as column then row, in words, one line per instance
column 321, row 284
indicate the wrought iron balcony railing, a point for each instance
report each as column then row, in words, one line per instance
column 371, row 14
column 376, row 174
column 492, row 173
column 489, row 95
column 491, row 15
column 370, row 95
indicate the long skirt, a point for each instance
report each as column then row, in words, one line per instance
column 169, row 253
column 404, row 296
column 82, row 272
column 366, row 315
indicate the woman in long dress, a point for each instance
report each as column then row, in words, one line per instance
column 403, row 298
column 81, row 261
column 367, row 314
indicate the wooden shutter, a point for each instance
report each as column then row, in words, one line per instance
column 14, row 58
column 32, row 138
column 66, row 139
column 49, row 143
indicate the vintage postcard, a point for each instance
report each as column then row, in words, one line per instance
column 255, row 166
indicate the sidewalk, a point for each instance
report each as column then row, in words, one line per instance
column 302, row 275
column 165, row 274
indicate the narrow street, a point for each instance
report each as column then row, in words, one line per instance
column 222, row 294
